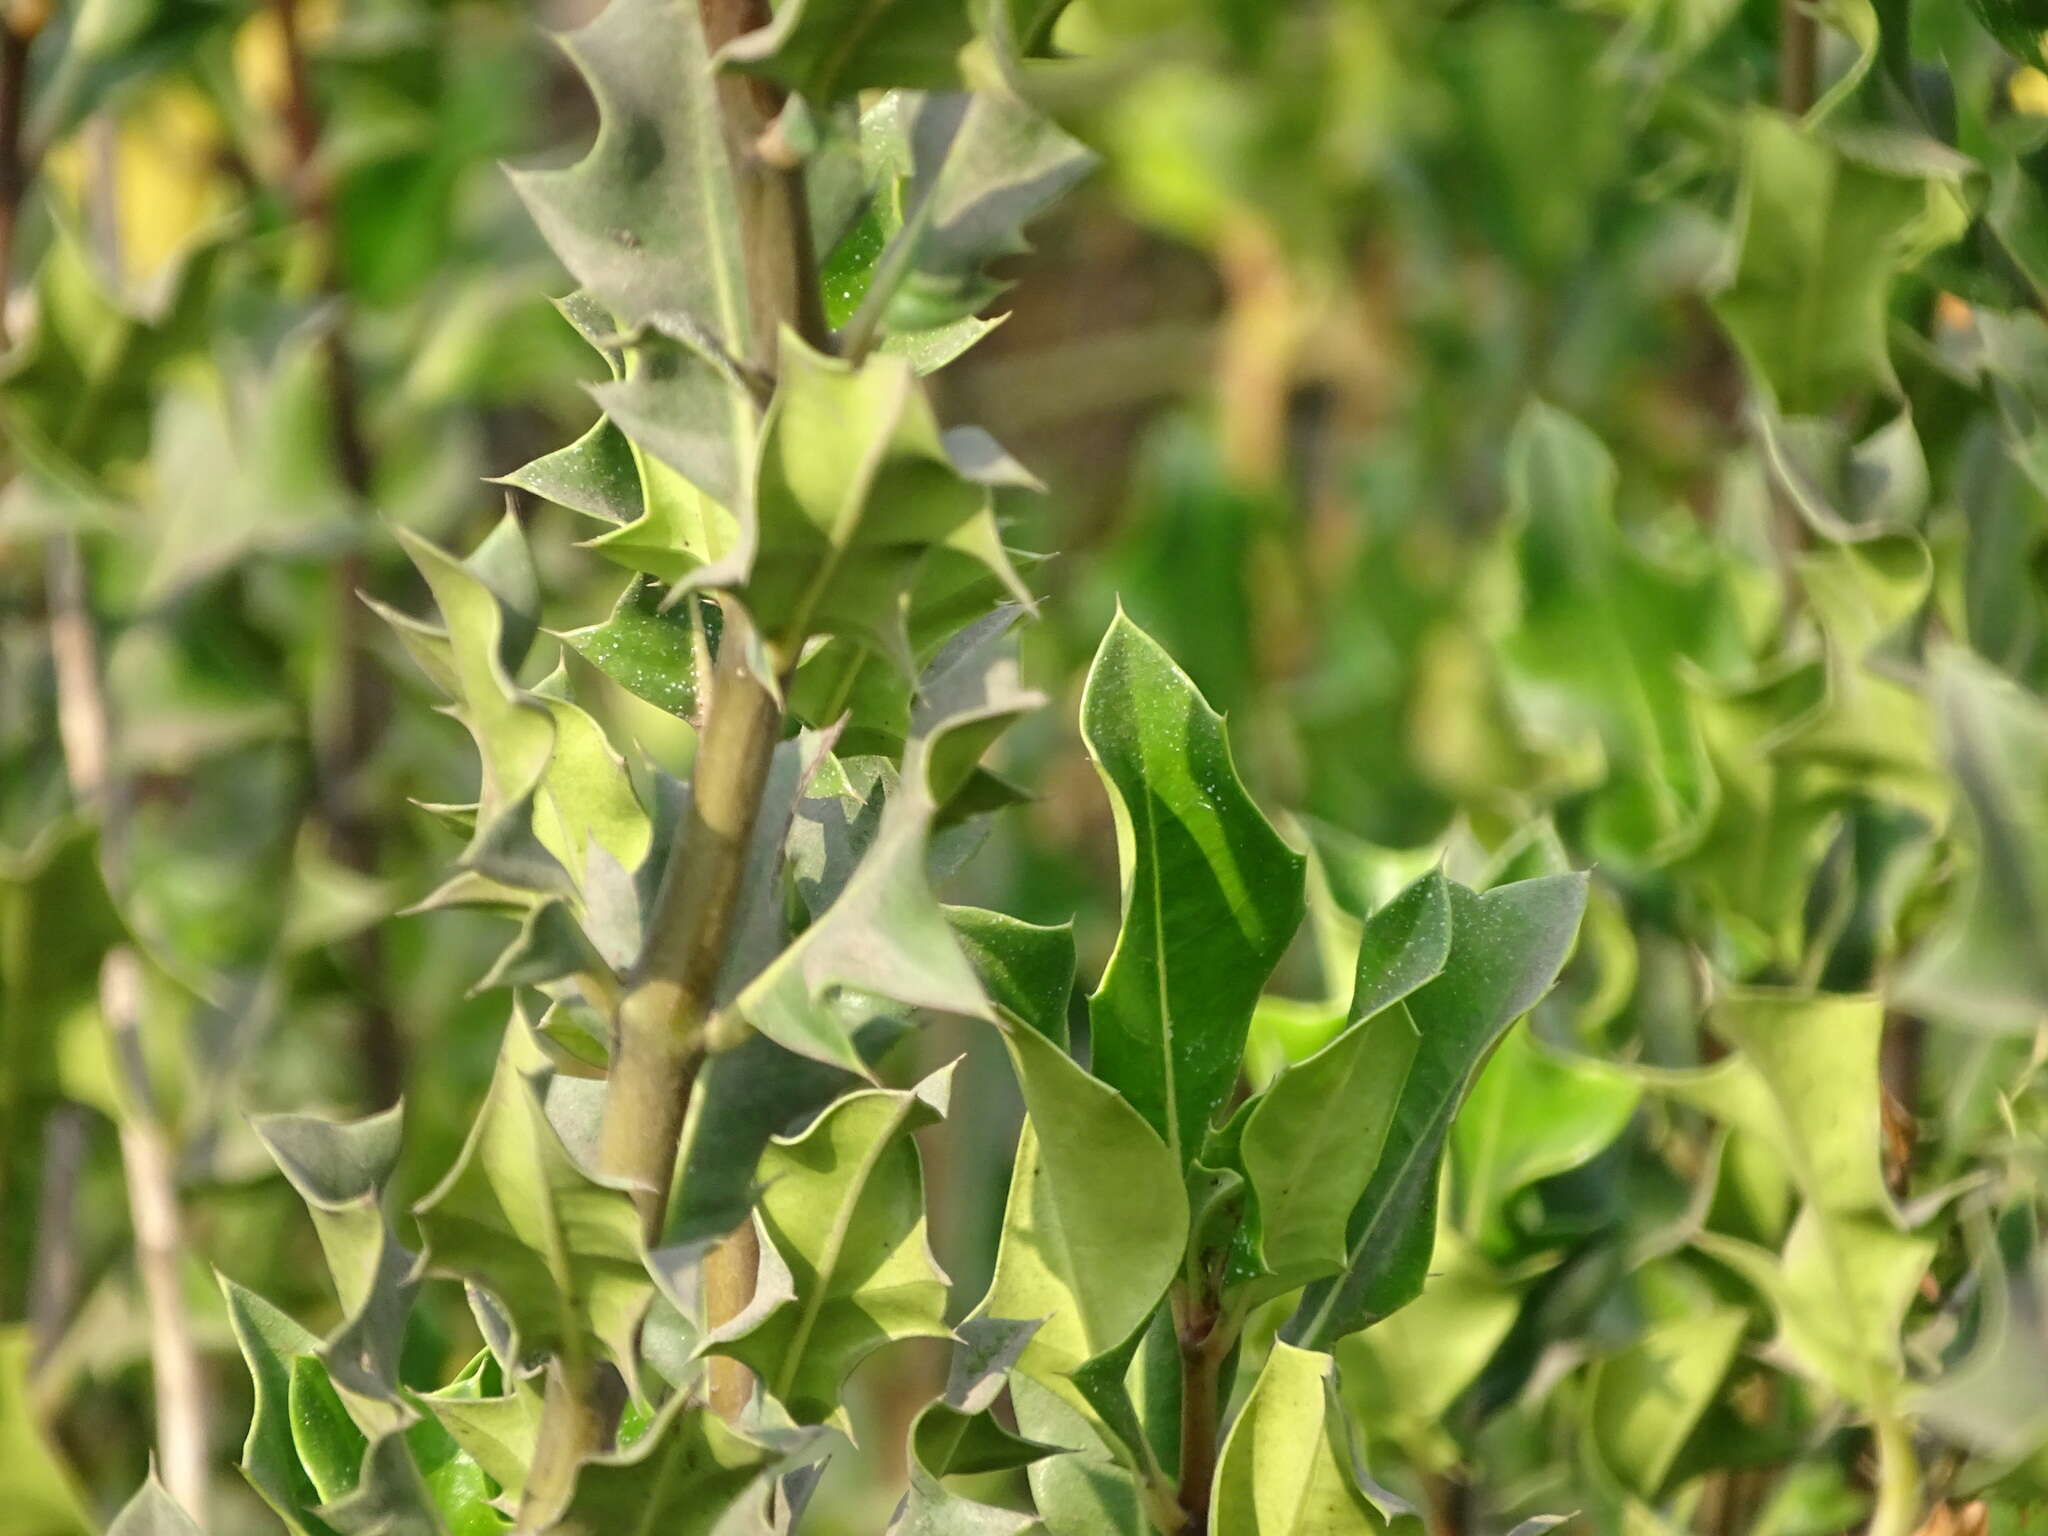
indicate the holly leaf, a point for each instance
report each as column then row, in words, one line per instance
column 1985, row 964
column 1211, row 893
column 846, row 1266
column 854, row 486
column 829, row 50
column 1821, row 237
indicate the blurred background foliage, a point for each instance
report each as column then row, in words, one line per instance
column 1559, row 435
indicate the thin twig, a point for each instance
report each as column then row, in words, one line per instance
column 183, row 1396
column 183, row 1405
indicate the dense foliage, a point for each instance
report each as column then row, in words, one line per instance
column 615, row 1001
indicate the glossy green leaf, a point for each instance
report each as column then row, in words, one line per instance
column 1027, row 970
column 649, row 650
column 1211, row 893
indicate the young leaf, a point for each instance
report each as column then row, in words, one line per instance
column 843, row 1207
column 1211, row 894
column 1507, row 947
column 1313, row 1138
column 1283, row 1472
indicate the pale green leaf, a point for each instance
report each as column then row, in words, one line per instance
column 152, row 1512
column 1281, row 1472
column 843, row 1207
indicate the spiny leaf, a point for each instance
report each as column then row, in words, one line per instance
column 829, row 50
column 1822, row 237
column 983, row 166
column 647, row 220
column 1986, row 963
column 843, row 1207
column 269, row 1342
column 884, row 934
column 1211, row 894
column 650, row 649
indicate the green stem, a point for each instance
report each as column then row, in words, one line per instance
column 1898, row 1480
column 575, row 1423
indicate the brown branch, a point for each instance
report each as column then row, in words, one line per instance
column 1798, row 56
column 1205, row 1339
